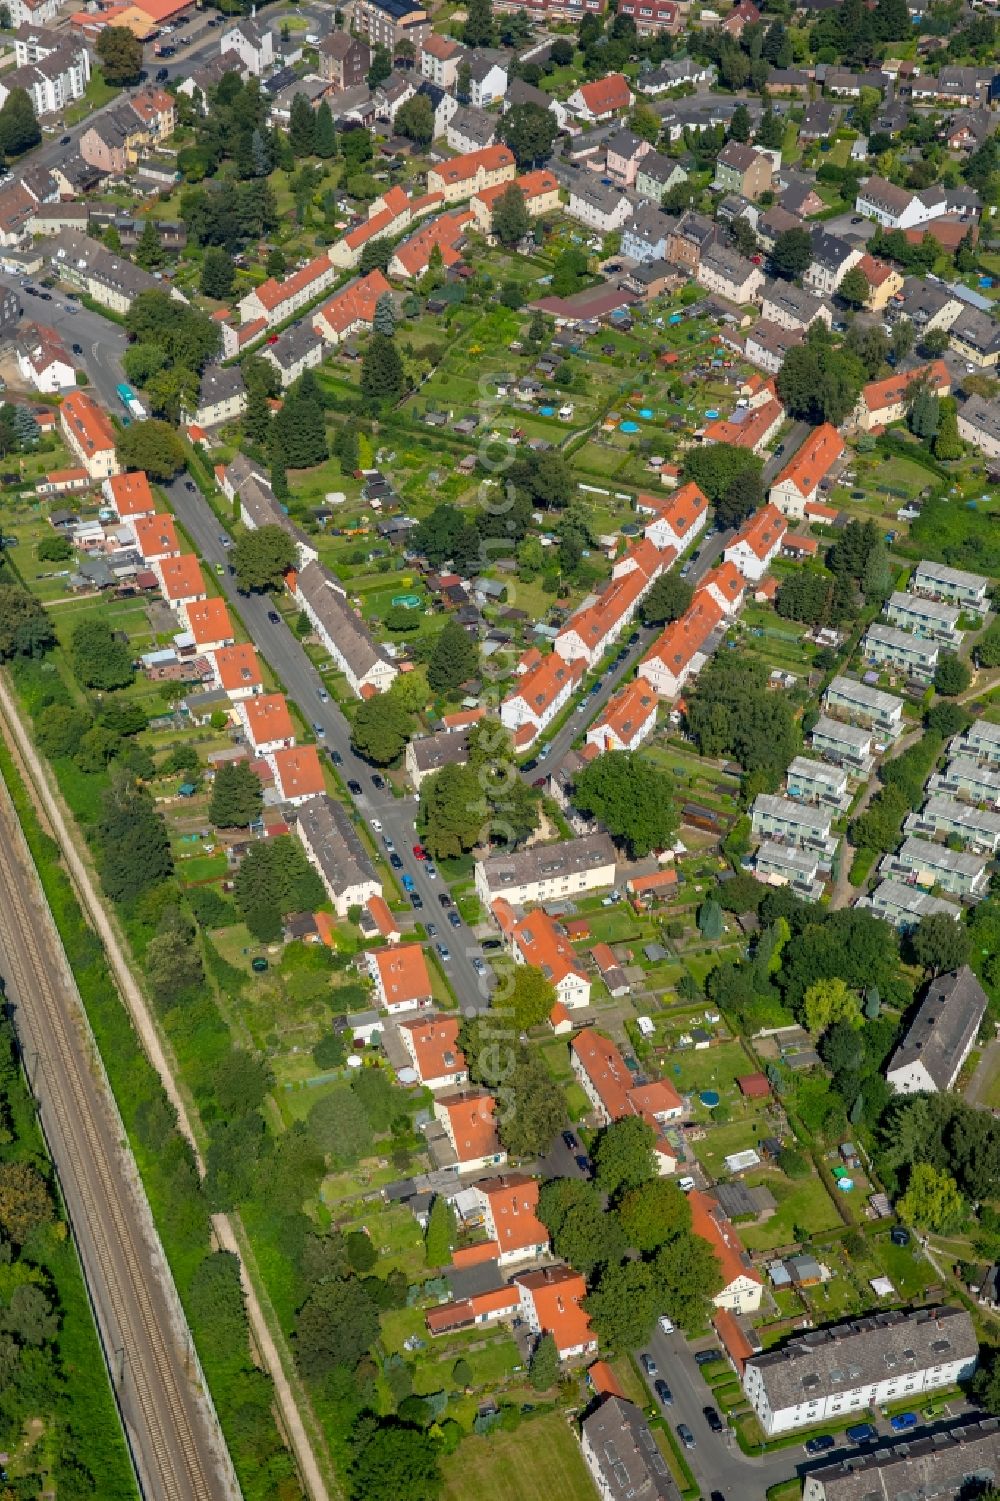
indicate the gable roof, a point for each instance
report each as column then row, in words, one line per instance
column 813, row 461
column 732, row 1258
column 208, row 620
column 435, row 1047
column 403, row 973
column 606, row 94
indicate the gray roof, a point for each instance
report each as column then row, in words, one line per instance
column 824, row 1362
column 792, row 300
column 318, row 586
column 442, row 749
column 657, row 167
column 475, row 125
column 736, row 1200
column 335, row 842
column 829, row 250
column 84, row 256
column 977, row 330
column 631, row 1463
column 938, row 1465
column 940, row 1033
column 293, row 345
column 548, row 860
column 221, row 383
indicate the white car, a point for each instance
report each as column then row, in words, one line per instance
column 665, row 1324
column 377, row 825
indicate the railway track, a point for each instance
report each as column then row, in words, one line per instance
column 173, row 1436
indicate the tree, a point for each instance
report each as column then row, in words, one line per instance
column 932, row 1200
column 876, row 581
column 479, row 25
column 381, row 369
column 152, row 445
column 187, row 336
column 339, row 1126
column 531, row 998
column 30, row 1316
column 415, row 120
column 133, row 844
column 453, row 811
column 25, row 1201
column 623, row 1155
column 237, row 796
column 454, row 658
column 100, row 659
column 275, row 878
column 336, row 1325
column 668, row 599
column 653, row 1214
column 530, row 132
column 624, row 1305
column 384, row 318
column 536, row 1112
column 375, row 256
column 710, row 923
column 583, row 1234
column 939, row 943
column 440, row 1234
column 792, row 253
column 934, row 343
column 947, row 443
column 818, row 382
column 380, row 729
column 744, row 236
column 395, row 1460
column 149, row 251
column 302, row 127
column 324, row 136
column 829, row 1001
column 120, row 55
column 25, row 628
column 951, row 676
column 739, row 125
column 854, row 288
column 511, row 220
column 924, row 416
column 733, row 711
column 262, row 556
column 543, row 1369
column 217, row 272
column 688, row 1273
column 19, row 129
column 632, row 797
column 714, row 467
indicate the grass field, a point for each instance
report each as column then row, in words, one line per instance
column 542, row 1460
column 803, row 1204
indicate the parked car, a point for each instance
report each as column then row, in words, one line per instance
column 712, row 1419
column 431, row 869
column 387, row 840
column 354, row 788
column 395, row 861
column 416, row 900
column 685, row 1435
column 419, row 852
column 666, row 1325
column 648, row 1365
column 570, row 1140
column 274, row 617
column 336, row 758
column 445, row 899
column 454, row 919
column 408, row 882
column 444, row 952
column 903, row 1421
column 432, row 930
column 862, row 1433
column 820, row 1443
column 479, row 966
column 318, row 729
column 664, row 1393
column 705, row 1357
column 378, row 783
column 376, row 824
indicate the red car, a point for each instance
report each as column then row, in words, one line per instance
column 420, row 852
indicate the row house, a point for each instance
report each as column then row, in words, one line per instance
column 742, row 1285
column 595, row 627
column 884, row 644
column 927, row 864
column 849, row 699
column 540, row 191
column 982, row 740
column 335, row 850
column 933, row 618
column 677, row 519
column 728, row 274
column 89, row 435
column 979, row 424
column 400, row 978
column 970, row 591
column 906, row 1469
column 767, row 345
column 953, row 85
column 683, row 649
column 891, row 206
column 181, row 582
column 543, row 689
column 275, row 302
column 628, row 719
column 461, row 176
column 468, row 1119
column 757, row 543
column 547, row 872
column 798, row 484
column 615, row 1095
column 906, row 906
column 749, row 427
column 358, row 655
column 387, row 217
column 237, row 671
column 790, row 306
column 538, row 940
column 726, row 586
column 351, row 310
column 243, row 480
column 965, row 776
column 653, row 16
column 816, row 782
column 790, row 865
column 411, row 259
column 796, row 823
column 849, row 746
column 885, row 401
column 266, row 723
column 976, row 828
column 434, row 1053
column 110, row 280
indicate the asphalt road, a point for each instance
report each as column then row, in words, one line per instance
column 101, row 341
column 303, row 685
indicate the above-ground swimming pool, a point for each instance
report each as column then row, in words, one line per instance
column 629, row 427
column 546, row 411
column 646, row 413
column 711, row 414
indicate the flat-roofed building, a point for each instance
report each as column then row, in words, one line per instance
column 969, row 590
column 547, row 872
column 846, row 745
column 860, row 701
column 788, row 865
column 827, row 1374
column 817, row 782
column 905, row 906
column 935, row 1467
column 929, row 864
column 941, row 1035
column 964, row 776
column 976, row 827
column 981, row 739
column 899, row 649
column 932, row 618
column 796, row 823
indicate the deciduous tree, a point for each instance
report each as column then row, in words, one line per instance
column 631, row 797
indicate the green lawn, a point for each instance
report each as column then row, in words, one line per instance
column 543, row 1460
column 711, row 1068
column 803, row 1203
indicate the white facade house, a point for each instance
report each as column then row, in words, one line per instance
column 941, row 1036
column 253, row 44
column 757, row 543
column 968, row 590
column 827, row 1374
column 334, row 848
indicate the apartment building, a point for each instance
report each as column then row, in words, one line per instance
column 927, row 864
column 970, row 591
column 931, row 618
column 543, row 689
column 796, row 823
column 618, row 1448
column 826, row 1374
column 89, row 435
column 906, row 906
column 435, row 1055
column 547, row 872
column 965, row 776
column 757, row 543
column 817, row 782
column 979, row 424
column 596, row 626
column 387, row 23
column 861, row 702
column 676, row 519
column 335, row 849
column 461, row 176
column 884, row 644
column 941, row 1035
column 937, row 1465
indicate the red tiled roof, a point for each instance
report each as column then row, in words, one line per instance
column 465, row 167
column 765, row 527
column 557, row 1293
column 403, row 973
column 181, row 577
column 813, row 461
column 435, row 1046
column 268, row 718
column 238, row 667
column 723, row 1239
column 606, row 94
column 299, row 771
column 208, row 620
column 130, row 493
column 88, row 423
column 353, row 304
column 473, row 1123
column 271, row 294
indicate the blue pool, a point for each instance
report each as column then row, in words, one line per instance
column 629, row 427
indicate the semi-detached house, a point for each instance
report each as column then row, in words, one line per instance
column 628, row 719
column 538, row 940
column 237, row 671
column 682, row 650
column 602, row 99
column 468, row 1119
column 267, row 722
column 885, row 401
column 676, row 519
column 298, row 774
column 461, row 176
column 334, row 848
column 437, row 1059
column 89, row 435
column 400, row 977
column 543, row 689
column 615, row 1095
column 129, row 494
column 155, row 537
column 798, row 484
column 209, row 623
column 510, row 1217
column 277, row 301
column 757, row 543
